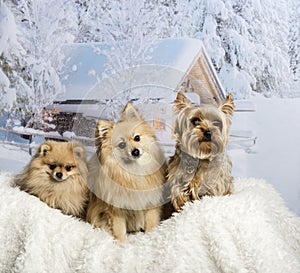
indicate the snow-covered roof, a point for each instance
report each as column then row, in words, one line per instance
column 90, row 73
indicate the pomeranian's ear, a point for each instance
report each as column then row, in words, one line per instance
column 103, row 127
column 227, row 106
column 130, row 112
column 79, row 150
column 44, row 148
column 181, row 101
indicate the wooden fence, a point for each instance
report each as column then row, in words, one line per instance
column 236, row 138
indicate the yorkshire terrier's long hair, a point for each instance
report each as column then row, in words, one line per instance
column 126, row 176
column 200, row 165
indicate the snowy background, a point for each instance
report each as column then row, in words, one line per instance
column 254, row 46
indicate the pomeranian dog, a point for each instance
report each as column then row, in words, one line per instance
column 126, row 176
column 57, row 175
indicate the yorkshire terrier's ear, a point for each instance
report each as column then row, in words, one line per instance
column 103, row 127
column 227, row 106
column 44, row 148
column 79, row 150
column 130, row 112
column 181, row 101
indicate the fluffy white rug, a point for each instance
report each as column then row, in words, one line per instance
column 249, row 231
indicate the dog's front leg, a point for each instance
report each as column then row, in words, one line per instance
column 152, row 218
column 119, row 228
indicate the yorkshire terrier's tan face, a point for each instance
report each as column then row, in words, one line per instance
column 202, row 130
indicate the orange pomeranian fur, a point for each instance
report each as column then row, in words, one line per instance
column 57, row 175
column 126, row 176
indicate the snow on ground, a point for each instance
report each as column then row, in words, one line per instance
column 275, row 157
column 13, row 158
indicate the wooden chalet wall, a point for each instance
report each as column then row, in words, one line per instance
column 202, row 79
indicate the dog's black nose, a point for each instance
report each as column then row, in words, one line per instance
column 207, row 135
column 135, row 152
column 59, row 175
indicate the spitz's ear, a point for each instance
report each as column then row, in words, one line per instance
column 102, row 129
column 130, row 112
column 227, row 106
column 44, row 148
column 79, row 150
column 181, row 101
column 103, row 126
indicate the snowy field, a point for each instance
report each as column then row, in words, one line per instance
column 275, row 156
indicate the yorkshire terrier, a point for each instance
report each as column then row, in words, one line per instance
column 126, row 176
column 200, row 165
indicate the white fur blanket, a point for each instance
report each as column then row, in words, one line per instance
column 249, row 231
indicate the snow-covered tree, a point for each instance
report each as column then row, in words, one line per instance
column 46, row 25
column 128, row 28
column 12, row 64
column 294, row 48
column 42, row 27
column 247, row 41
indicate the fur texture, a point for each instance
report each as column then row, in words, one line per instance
column 126, row 176
column 251, row 230
column 200, row 165
column 57, row 175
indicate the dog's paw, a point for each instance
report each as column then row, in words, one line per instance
column 179, row 201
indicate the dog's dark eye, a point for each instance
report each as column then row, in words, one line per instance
column 137, row 138
column 196, row 121
column 68, row 168
column 217, row 123
column 122, row 145
column 52, row 166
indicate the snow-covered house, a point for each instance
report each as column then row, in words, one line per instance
column 183, row 61
column 97, row 85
